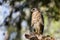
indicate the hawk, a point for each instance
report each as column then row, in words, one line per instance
column 37, row 21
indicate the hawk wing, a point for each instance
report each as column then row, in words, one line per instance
column 42, row 24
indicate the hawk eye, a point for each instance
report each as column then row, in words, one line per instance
column 33, row 9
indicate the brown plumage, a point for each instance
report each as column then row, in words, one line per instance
column 37, row 22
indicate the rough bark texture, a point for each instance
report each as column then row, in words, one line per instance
column 38, row 37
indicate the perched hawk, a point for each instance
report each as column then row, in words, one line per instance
column 37, row 21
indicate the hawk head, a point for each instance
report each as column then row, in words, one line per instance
column 34, row 10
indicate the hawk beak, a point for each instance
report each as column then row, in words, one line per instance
column 31, row 11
